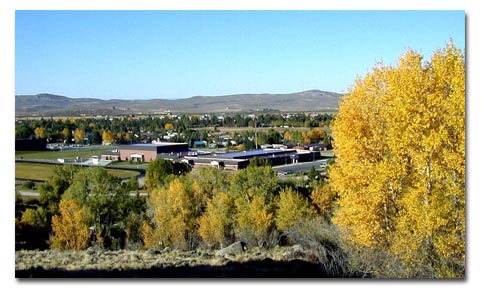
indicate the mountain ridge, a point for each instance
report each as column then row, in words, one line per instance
column 45, row 104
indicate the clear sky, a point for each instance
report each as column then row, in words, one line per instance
column 179, row 54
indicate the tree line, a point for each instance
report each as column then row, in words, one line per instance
column 184, row 209
column 127, row 129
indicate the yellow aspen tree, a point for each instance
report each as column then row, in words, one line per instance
column 66, row 133
column 168, row 126
column 107, row 137
column 432, row 208
column 79, row 135
column 70, row 227
column 40, row 132
column 215, row 223
column 323, row 199
column 253, row 219
column 292, row 209
column 288, row 135
column 171, row 214
column 400, row 169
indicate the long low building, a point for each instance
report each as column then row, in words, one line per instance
column 239, row 160
column 149, row 152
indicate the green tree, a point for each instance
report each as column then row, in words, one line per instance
column 105, row 201
column 259, row 161
column 159, row 170
column 255, row 181
column 51, row 191
column 35, row 217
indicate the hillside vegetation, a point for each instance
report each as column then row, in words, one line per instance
column 55, row 105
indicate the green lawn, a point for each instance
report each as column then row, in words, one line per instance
column 41, row 172
column 68, row 154
column 33, row 171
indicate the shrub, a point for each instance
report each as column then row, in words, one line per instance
column 29, row 184
column 35, row 217
column 322, row 238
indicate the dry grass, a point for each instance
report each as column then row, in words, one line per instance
column 145, row 259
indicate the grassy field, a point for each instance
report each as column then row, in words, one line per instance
column 67, row 154
column 41, row 172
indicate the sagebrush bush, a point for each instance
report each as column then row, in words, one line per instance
column 322, row 238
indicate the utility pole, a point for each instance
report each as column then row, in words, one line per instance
column 256, row 138
column 255, row 134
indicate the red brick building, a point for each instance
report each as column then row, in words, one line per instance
column 149, row 152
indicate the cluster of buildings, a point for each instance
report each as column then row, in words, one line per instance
column 276, row 155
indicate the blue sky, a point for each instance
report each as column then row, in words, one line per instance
column 179, row 54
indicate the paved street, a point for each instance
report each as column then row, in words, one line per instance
column 304, row 166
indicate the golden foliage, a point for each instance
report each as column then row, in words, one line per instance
column 292, row 209
column 253, row 218
column 400, row 169
column 288, row 135
column 215, row 223
column 40, row 132
column 148, row 237
column 70, row 228
column 168, row 126
column 107, row 136
column 66, row 133
column 313, row 136
column 323, row 198
column 79, row 135
column 171, row 212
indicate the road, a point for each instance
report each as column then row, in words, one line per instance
column 303, row 166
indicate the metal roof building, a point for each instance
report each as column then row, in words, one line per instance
column 238, row 160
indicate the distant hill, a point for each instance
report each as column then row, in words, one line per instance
column 55, row 105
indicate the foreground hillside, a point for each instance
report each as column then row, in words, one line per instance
column 290, row 262
column 55, row 105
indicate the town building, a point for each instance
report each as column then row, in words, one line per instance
column 239, row 160
column 149, row 152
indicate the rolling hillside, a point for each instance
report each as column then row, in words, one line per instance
column 55, row 105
